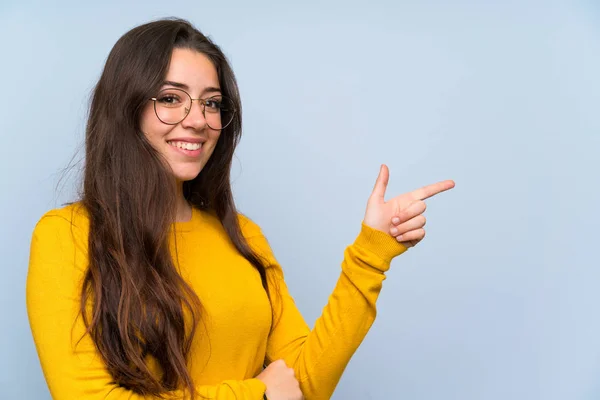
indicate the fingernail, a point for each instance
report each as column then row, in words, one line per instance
column 399, row 238
column 395, row 220
column 394, row 231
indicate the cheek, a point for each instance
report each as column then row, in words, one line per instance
column 152, row 127
column 214, row 137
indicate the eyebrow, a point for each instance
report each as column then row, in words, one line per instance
column 183, row 86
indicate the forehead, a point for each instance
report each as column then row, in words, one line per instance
column 193, row 69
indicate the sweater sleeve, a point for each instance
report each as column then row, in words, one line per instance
column 319, row 356
column 73, row 368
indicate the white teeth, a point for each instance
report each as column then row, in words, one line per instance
column 186, row 145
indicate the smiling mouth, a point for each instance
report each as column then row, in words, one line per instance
column 186, row 145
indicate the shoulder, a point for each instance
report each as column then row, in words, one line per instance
column 257, row 240
column 58, row 250
column 248, row 226
column 71, row 219
column 57, row 254
column 72, row 214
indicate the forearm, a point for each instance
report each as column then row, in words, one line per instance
column 320, row 356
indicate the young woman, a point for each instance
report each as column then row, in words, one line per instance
column 153, row 285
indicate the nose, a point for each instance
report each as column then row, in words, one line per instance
column 195, row 118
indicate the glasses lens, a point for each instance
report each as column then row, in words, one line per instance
column 219, row 111
column 172, row 105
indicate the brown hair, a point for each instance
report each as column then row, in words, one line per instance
column 138, row 300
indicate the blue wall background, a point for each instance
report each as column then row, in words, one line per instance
column 501, row 299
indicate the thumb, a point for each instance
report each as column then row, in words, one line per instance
column 381, row 184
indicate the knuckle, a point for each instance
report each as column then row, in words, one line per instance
column 405, row 215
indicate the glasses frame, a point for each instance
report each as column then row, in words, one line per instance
column 202, row 103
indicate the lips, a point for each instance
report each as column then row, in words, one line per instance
column 186, row 148
column 185, row 145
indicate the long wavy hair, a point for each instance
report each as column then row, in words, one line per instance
column 138, row 299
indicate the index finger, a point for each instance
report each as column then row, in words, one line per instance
column 431, row 190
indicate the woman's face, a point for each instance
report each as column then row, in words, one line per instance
column 188, row 145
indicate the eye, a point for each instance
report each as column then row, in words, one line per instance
column 213, row 105
column 169, row 99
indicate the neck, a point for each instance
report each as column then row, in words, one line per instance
column 184, row 209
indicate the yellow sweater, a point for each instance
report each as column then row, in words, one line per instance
column 230, row 348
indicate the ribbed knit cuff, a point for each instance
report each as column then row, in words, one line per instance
column 257, row 386
column 384, row 245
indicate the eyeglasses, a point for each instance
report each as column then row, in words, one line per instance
column 173, row 105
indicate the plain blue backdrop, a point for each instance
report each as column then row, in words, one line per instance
column 499, row 302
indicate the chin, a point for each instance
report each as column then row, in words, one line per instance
column 186, row 175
